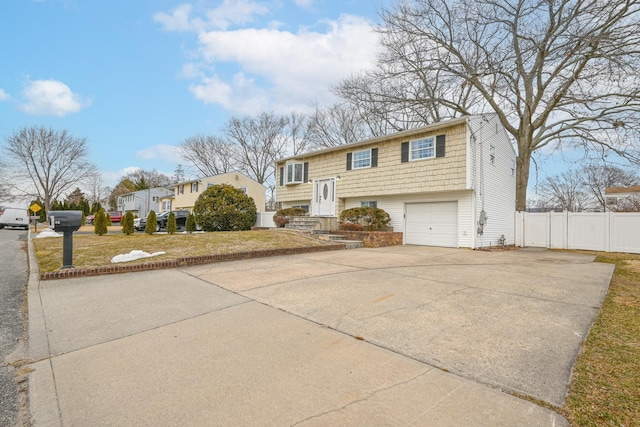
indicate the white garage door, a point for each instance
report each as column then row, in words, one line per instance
column 432, row 224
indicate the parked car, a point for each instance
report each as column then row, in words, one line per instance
column 139, row 223
column 115, row 217
column 181, row 219
column 11, row 217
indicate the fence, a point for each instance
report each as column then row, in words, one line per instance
column 596, row 231
column 265, row 219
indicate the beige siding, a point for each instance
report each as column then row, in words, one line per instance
column 390, row 176
column 188, row 198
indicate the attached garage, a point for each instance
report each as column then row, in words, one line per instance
column 432, row 224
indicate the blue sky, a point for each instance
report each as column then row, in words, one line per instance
column 136, row 77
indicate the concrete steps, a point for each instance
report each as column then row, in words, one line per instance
column 351, row 244
column 317, row 226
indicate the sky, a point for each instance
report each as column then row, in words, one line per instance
column 137, row 77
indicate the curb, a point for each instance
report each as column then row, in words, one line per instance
column 182, row 262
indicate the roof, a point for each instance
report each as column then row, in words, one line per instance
column 404, row 133
column 213, row 176
column 622, row 190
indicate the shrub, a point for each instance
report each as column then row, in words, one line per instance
column 107, row 218
column 100, row 223
column 283, row 216
column 191, row 223
column 150, row 228
column 351, row 226
column 171, row 223
column 370, row 218
column 223, row 207
column 127, row 224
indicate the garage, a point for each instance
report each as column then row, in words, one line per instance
column 432, row 224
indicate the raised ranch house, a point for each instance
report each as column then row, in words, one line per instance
column 141, row 202
column 623, row 198
column 447, row 184
column 186, row 193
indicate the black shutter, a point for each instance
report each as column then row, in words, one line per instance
column 374, row 157
column 440, row 145
column 349, row 155
column 404, row 152
column 281, row 177
column 305, row 173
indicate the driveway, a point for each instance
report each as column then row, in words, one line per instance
column 394, row 336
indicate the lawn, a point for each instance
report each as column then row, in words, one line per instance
column 605, row 389
column 95, row 251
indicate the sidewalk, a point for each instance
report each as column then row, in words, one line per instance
column 173, row 347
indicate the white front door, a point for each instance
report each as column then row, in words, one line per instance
column 324, row 197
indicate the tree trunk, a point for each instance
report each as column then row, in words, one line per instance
column 523, row 163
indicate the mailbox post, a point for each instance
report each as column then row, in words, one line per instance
column 67, row 222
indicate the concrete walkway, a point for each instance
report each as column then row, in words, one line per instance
column 391, row 336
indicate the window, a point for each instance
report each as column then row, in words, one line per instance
column 194, row 187
column 180, row 189
column 362, row 159
column 166, row 205
column 210, row 184
column 243, row 189
column 612, row 200
column 295, row 173
column 369, row 204
column 492, row 154
column 305, row 207
column 422, row 149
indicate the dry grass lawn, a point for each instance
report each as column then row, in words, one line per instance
column 95, row 251
column 605, row 390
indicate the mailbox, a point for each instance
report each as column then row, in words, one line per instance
column 65, row 220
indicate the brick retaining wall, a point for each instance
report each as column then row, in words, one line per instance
column 373, row 239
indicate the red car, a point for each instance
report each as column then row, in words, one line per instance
column 115, row 217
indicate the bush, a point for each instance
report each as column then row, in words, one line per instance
column 107, row 218
column 127, row 224
column 100, row 223
column 370, row 218
column 350, row 226
column 171, row 223
column 191, row 223
column 150, row 228
column 225, row 208
column 283, row 216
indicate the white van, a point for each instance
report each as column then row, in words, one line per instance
column 11, row 217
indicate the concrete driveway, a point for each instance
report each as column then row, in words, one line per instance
column 402, row 335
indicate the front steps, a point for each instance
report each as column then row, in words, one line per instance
column 319, row 226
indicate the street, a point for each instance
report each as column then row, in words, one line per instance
column 13, row 279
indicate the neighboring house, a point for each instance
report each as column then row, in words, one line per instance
column 623, row 198
column 141, row 202
column 447, row 184
column 186, row 193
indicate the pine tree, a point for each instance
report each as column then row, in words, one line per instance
column 100, row 223
column 171, row 223
column 191, row 223
column 107, row 218
column 127, row 224
column 150, row 228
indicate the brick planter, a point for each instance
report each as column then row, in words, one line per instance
column 373, row 239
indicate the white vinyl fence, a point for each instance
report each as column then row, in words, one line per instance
column 265, row 219
column 595, row 231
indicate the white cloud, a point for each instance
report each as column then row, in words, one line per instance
column 229, row 12
column 304, row 3
column 4, row 95
column 51, row 97
column 282, row 70
column 160, row 151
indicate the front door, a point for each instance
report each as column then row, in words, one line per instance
column 324, row 197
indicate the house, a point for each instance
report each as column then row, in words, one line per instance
column 186, row 193
column 446, row 184
column 623, row 198
column 141, row 202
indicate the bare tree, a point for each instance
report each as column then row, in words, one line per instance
column 50, row 161
column 296, row 131
column 143, row 179
column 96, row 190
column 556, row 72
column 566, row 191
column 209, row 155
column 260, row 141
column 336, row 125
column 597, row 178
